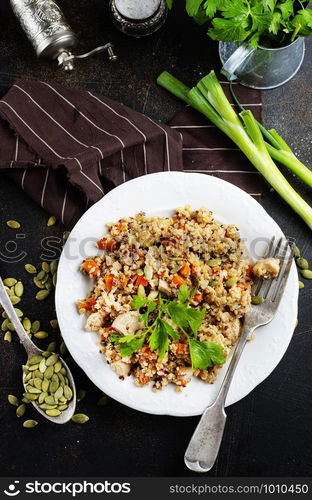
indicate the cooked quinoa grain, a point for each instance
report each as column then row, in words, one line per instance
column 156, row 255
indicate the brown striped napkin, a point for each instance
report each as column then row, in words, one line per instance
column 66, row 148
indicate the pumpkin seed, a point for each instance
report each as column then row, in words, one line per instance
column 63, row 348
column 20, row 411
column 62, row 400
column 12, row 400
column 4, row 324
column 19, row 289
column 8, row 290
column 8, row 336
column 213, row 262
column 49, row 400
column 54, row 323
column 66, row 235
column 31, row 382
column 38, row 374
column 14, row 299
column 32, row 390
column 28, row 377
column 148, row 272
column 42, row 294
column 49, row 372
column 141, row 291
column 18, row 312
column 27, row 324
column 53, row 266
column 62, row 407
column 44, row 406
column 42, row 366
column 13, row 224
column 57, row 367
column 53, row 413
column 231, row 281
column 34, row 360
column 45, row 279
column 307, row 274
column 29, row 424
column 256, row 300
column 51, row 347
column 42, row 397
column 68, row 393
column 45, row 385
column 4, row 315
column 35, row 326
column 46, row 354
column 301, row 284
column 102, row 401
column 54, row 279
column 38, row 283
column 26, row 401
column 42, row 334
column 10, row 327
column 58, row 393
column 53, row 386
column 152, row 295
column 45, row 267
column 81, row 395
column 302, row 263
column 38, row 383
column 297, row 251
column 30, row 269
column 80, row 418
column 41, row 275
column 63, row 371
column 48, row 284
column 51, row 360
column 51, row 221
column 9, row 281
column 33, row 367
column 30, row 396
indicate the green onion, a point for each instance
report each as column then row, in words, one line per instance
column 208, row 98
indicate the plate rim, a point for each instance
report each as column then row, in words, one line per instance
column 62, row 260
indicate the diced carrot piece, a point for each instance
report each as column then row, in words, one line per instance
column 124, row 281
column 181, row 348
column 109, row 282
column 143, row 379
column 105, row 244
column 87, row 304
column 198, row 297
column 178, row 280
column 91, row 267
column 185, row 269
column 121, row 226
column 249, row 270
column 140, row 280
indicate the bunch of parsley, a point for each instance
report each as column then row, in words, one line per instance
column 158, row 332
column 271, row 22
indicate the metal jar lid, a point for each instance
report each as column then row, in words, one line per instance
column 138, row 17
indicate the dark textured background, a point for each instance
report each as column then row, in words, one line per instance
column 268, row 433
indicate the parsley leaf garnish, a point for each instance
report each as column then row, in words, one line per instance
column 166, row 319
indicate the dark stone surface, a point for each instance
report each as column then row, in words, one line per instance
column 268, row 432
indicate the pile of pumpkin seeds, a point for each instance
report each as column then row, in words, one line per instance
column 45, row 279
column 303, row 266
column 47, row 384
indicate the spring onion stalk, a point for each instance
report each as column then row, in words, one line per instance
column 208, row 98
column 279, row 149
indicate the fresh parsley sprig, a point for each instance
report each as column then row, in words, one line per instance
column 158, row 331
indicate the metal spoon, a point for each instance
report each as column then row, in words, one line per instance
column 33, row 350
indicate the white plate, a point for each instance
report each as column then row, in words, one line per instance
column 160, row 194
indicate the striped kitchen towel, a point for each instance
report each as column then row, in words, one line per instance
column 66, row 148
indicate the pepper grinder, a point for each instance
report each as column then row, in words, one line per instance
column 138, row 17
column 50, row 34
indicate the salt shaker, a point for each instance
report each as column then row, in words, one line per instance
column 50, row 34
column 138, row 17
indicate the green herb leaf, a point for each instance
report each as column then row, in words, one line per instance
column 138, row 302
column 163, row 340
column 183, row 293
column 129, row 348
column 150, row 308
column 205, row 354
column 169, row 330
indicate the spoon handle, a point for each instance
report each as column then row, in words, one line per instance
column 9, row 309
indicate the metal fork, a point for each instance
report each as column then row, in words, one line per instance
column 204, row 446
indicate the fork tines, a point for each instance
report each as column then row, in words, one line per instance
column 272, row 290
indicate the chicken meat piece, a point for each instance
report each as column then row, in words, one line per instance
column 94, row 322
column 128, row 323
column 267, row 268
column 164, row 287
column 121, row 368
